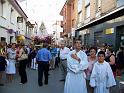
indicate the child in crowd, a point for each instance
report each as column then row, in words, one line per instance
column 102, row 77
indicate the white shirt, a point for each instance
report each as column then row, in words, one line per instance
column 28, row 49
column 64, row 52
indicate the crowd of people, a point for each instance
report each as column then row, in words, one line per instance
column 13, row 59
column 84, row 69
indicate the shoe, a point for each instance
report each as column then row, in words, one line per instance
column 46, row 83
column 62, row 80
column 1, row 84
column 20, row 83
column 40, row 84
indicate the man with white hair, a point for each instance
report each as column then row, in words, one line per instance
column 63, row 59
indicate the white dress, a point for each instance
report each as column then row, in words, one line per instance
column 75, row 79
column 11, row 69
column 102, row 77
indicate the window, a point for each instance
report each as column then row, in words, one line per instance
column 80, row 3
column 98, row 5
column 79, row 17
column 86, row 39
column 120, row 3
column 87, row 9
column 11, row 39
column 3, row 8
column 12, row 16
column 73, row 23
column 98, row 38
column 3, row 39
column 87, row 2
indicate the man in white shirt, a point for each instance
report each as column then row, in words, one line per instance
column 77, row 63
column 63, row 60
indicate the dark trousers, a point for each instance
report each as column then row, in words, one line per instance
column 22, row 71
column 43, row 68
column 57, row 61
column 29, row 61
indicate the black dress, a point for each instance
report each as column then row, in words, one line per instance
column 120, row 60
column 2, row 63
column 113, row 67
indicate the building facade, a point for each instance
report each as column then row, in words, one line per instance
column 104, row 23
column 69, row 13
column 12, row 21
column 99, row 21
column 57, row 29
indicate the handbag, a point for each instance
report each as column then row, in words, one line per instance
column 23, row 57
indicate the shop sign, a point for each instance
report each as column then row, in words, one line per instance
column 109, row 31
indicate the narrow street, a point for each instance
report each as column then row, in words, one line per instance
column 54, row 86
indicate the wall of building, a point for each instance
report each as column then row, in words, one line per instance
column 8, row 20
column 98, row 34
column 111, row 38
column 108, row 5
column 92, row 9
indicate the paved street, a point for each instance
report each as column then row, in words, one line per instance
column 54, row 86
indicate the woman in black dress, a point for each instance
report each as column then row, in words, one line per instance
column 111, row 60
column 2, row 63
column 120, row 61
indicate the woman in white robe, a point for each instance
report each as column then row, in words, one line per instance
column 76, row 64
column 102, row 77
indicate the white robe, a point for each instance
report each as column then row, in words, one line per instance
column 75, row 79
column 102, row 77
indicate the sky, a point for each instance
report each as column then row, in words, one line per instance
column 46, row 11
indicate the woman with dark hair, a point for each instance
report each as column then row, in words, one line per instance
column 2, row 62
column 111, row 59
column 92, row 58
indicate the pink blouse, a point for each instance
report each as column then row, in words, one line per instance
column 90, row 67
